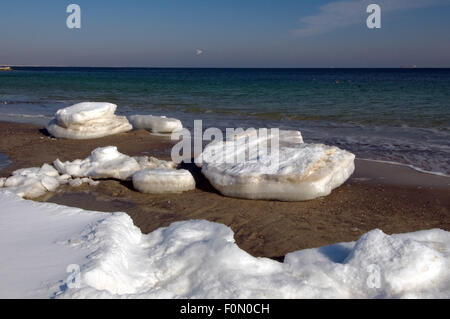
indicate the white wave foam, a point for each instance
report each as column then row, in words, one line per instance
column 26, row 115
column 406, row 165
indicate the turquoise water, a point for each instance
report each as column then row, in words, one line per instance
column 400, row 115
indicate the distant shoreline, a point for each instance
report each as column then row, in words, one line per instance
column 229, row 68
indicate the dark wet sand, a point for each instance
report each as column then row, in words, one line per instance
column 393, row 198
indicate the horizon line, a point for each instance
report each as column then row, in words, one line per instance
column 221, row 67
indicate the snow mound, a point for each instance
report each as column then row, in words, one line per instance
column 163, row 180
column 156, row 124
column 108, row 162
column 200, row 259
column 88, row 120
column 413, row 265
column 2, row 181
column 404, row 264
column 293, row 171
column 34, row 182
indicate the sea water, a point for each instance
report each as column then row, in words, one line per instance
column 396, row 115
column 4, row 161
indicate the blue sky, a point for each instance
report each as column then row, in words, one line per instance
column 230, row 33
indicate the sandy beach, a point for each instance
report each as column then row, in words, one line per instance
column 393, row 198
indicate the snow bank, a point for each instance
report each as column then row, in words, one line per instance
column 108, row 162
column 34, row 182
column 199, row 259
column 414, row 265
column 33, row 245
column 88, row 120
column 163, row 180
column 2, row 181
column 156, row 124
column 296, row 172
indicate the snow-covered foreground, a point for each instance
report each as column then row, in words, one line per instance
column 199, row 259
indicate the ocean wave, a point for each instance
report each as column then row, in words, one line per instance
column 26, row 115
column 10, row 102
column 421, row 170
column 422, row 149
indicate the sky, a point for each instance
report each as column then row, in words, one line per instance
column 226, row 33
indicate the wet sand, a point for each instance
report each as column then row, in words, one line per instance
column 393, row 198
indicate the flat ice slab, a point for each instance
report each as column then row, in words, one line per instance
column 162, row 180
column 156, row 124
column 88, row 120
column 294, row 171
column 83, row 112
column 200, row 259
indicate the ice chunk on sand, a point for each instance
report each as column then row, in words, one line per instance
column 294, row 171
column 88, row 120
column 33, row 182
column 147, row 162
column 91, row 130
column 104, row 162
column 64, row 179
column 200, row 259
column 83, row 112
column 235, row 148
column 50, row 183
column 156, row 124
column 163, row 180
column 108, row 162
column 77, row 182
